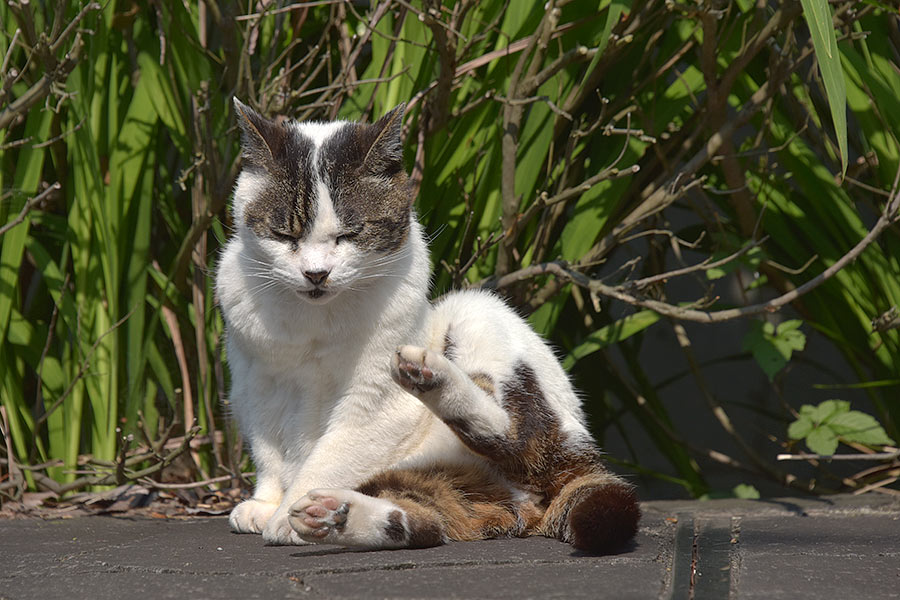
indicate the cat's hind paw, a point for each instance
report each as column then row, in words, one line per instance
column 348, row 518
column 418, row 369
column 316, row 516
column 251, row 516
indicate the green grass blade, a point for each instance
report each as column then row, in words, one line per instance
column 819, row 20
column 608, row 335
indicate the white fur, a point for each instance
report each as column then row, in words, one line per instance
column 312, row 385
column 365, row 524
column 318, row 131
column 491, row 338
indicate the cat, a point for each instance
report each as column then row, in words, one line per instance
column 376, row 419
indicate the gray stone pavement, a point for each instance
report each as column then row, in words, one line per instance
column 842, row 548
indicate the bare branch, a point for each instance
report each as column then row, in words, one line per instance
column 188, row 486
column 85, row 365
column 706, row 265
column 284, row 9
column 565, row 274
column 112, row 476
column 874, row 456
column 55, row 73
column 29, row 206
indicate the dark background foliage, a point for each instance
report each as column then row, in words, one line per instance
column 631, row 176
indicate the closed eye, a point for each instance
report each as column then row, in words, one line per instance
column 283, row 237
column 347, row 235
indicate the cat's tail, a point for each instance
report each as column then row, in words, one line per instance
column 597, row 513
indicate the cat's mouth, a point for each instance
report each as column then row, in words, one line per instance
column 317, row 295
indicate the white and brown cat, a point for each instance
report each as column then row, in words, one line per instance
column 376, row 419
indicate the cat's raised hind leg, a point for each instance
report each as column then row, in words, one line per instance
column 457, row 398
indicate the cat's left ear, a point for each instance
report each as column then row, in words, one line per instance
column 385, row 155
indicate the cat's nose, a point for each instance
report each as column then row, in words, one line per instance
column 316, row 277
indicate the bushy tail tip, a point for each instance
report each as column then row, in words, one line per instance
column 605, row 518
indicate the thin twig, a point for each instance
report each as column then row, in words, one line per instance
column 16, row 480
column 718, row 410
column 30, row 205
column 161, row 485
column 562, row 270
column 284, row 9
column 111, row 477
column 860, row 456
column 703, row 266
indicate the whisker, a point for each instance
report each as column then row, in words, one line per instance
column 431, row 237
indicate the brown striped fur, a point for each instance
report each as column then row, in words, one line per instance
column 453, row 503
column 485, row 382
column 541, row 484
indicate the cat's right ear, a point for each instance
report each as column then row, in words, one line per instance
column 261, row 139
column 385, row 153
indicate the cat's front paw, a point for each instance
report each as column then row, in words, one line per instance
column 418, row 369
column 278, row 531
column 251, row 516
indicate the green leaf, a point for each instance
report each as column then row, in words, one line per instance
column 826, row 411
column 800, row 428
column 751, row 259
column 819, row 20
column 858, row 386
column 746, row 491
column 616, row 8
column 772, row 348
column 855, row 426
column 832, row 420
column 789, row 339
column 822, row 440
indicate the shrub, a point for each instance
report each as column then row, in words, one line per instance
column 577, row 157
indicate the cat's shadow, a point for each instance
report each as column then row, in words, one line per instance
column 627, row 548
column 332, row 550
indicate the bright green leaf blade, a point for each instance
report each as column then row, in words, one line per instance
column 819, row 20
column 611, row 334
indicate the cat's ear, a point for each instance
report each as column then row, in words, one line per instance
column 385, row 154
column 261, row 139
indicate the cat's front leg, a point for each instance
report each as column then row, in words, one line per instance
column 251, row 516
column 278, row 530
column 357, row 444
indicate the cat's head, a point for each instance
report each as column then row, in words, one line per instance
column 324, row 205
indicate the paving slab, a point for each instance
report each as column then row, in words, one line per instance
column 838, row 547
column 820, row 557
column 846, row 547
column 103, row 557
